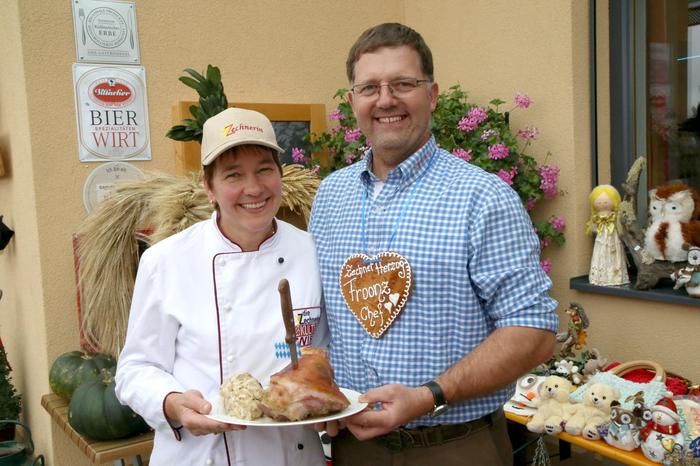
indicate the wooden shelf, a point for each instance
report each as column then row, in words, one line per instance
column 97, row 451
column 633, row 458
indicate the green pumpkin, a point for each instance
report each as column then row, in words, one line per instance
column 71, row 369
column 95, row 412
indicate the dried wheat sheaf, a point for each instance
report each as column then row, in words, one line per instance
column 150, row 209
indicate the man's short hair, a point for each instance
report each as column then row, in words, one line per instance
column 389, row 35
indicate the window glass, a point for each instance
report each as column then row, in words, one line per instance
column 668, row 114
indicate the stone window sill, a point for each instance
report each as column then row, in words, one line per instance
column 663, row 293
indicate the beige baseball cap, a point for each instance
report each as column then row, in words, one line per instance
column 234, row 127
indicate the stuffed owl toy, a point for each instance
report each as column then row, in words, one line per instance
column 674, row 211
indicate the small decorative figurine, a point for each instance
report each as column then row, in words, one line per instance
column 689, row 276
column 524, row 400
column 575, row 336
column 663, row 433
column 674, row 210
column 624, row 430
column 694, row 447
column 608, row 261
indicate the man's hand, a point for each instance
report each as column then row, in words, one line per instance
column 399, row 405
column 189, row 408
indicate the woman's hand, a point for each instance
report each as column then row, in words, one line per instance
column 189, row 408
column 331, row 427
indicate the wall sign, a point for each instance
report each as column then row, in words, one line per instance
column 105, row 32
column 104, row 180
column 111, row 105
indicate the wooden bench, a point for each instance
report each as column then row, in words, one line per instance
column 97, row 451
column 632, row 458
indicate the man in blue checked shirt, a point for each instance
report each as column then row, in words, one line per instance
column 434, row 294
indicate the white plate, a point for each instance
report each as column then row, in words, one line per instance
column 219, row 414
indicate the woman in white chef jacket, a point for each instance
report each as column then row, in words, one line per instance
column 206, row 306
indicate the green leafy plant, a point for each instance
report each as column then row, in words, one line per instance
column 480, row 135
column 10, row 400
column 212, row 100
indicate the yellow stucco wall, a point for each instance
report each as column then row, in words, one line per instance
column 22, row 315
column 286, row 52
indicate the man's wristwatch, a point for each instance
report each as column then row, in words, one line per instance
column 440, row 403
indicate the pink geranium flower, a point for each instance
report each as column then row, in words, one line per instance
column 528, row 133
column 488, row 133
column 478, row 114
column 467, row 124
column 498, row 151
column 335, row 114
column 522, row 101
column 352, row 135
column 558, row 223
column 507, row 176
column 549, row 175
column 298, row 155
column 546, row 265
column 465, row 155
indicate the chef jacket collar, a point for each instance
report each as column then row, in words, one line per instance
column 267, row 242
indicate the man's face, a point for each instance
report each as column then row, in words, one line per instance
column 397, row 125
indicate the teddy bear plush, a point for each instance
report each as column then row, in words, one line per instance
column 586, row 416
column 552, row 404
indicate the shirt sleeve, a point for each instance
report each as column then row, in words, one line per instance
column 504, row 263
column 144, row 369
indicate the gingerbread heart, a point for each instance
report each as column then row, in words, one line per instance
column 376, row 288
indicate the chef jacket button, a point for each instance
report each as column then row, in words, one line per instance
column 210, row 461
column 280, row 259
column 229, row 358
column 300, row 446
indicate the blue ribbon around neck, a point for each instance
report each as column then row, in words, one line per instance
column 399, row 218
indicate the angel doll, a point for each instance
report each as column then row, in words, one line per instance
column 608, row 261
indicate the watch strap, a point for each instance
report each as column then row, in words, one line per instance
column 438, row 394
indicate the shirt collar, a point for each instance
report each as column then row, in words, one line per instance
column 408, row 170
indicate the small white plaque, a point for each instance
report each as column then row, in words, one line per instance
column 111, row 107
column 105, row 32
column 104, row 180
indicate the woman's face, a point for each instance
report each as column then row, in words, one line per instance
column 247, row 186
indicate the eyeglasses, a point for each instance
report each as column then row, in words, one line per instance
column 396, row 87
